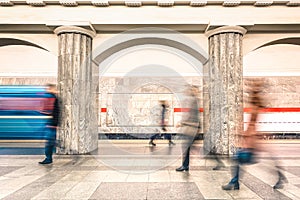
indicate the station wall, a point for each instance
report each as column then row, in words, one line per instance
column 138, row 111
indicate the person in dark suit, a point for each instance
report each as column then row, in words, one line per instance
column 189, row 126
column 163, row 124
column 52, row 124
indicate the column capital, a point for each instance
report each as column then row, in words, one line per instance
column 74, row 29
column 226, row 29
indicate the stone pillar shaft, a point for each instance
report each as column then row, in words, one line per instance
column 223, row 87
column 78, row 84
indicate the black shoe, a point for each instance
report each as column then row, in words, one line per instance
column 280, row 183
column 171, row 143
column 44, row 162
column 282, row 177
column 230, row 186
column 152, row 143
column 180, row 169
column 218, row 167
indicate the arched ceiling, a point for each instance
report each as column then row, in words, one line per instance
column 291, row 40
column 273, row 60
column 12, row 41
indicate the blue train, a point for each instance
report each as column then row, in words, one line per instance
column 22, row 111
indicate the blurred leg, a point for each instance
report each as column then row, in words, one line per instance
column 153, row 138
column 49, row 150
column 49, row 146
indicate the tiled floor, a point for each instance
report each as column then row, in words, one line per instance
column 145, row 173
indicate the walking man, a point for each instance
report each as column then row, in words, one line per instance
column 189, row 126
column 52, row 124
column 163, row 124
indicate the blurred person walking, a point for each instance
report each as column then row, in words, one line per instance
column 247, row 140
column 217, row 157
column 163, row 124
column 52, row 124
column 189, row 126
column 248, row 144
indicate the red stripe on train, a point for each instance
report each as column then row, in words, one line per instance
column 245, row 110
column 26, row 103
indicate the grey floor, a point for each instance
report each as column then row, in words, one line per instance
column 134, row 170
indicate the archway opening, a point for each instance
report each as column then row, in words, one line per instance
column 25, row 63
column 278, row 63
column 125, row 64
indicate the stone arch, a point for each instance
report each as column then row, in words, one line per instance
column 34, row 60
column 288, row 40
column 254, row 42
column 149, row 36
column 270, row 53
column 14, row 41
column 123, row 42
column 154, row 83
column 161, row 92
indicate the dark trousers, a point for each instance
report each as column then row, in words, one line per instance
column 186, row 147
column 154, row 136
column 166, row 136
column 243, row 156
column 50, row 144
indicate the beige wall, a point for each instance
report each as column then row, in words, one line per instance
column 142, row 106
column 246, row 15
column 279, row 63
column 272, row 60
column 46, row 41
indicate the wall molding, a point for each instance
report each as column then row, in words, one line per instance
column 160, row 3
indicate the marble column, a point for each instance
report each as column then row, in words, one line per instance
column 223, row 89
column 78, row 88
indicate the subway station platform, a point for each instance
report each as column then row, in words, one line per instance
column 132, row 170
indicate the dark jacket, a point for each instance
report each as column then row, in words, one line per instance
column 55, row 120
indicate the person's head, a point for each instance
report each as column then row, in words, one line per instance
column 255, row 90
column 163, row 102
column 195, row 90
column 51, row 88
column 192, row 90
